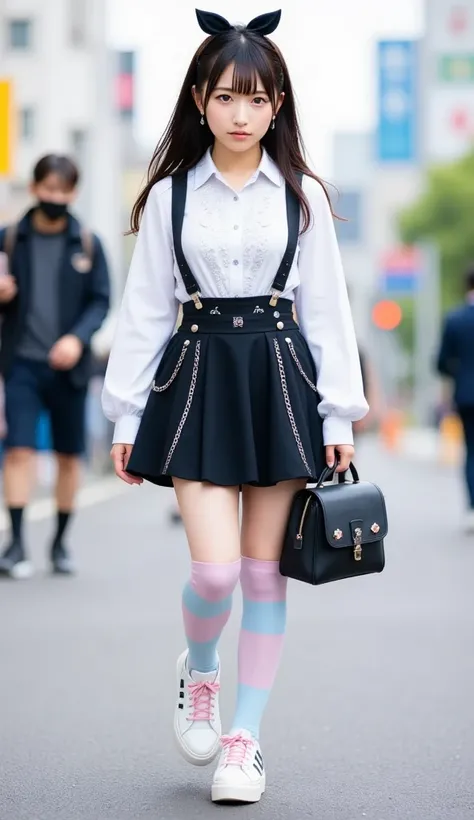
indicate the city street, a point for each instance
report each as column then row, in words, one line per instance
column 372, row 715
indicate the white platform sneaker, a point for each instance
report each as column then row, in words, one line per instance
column 240, row 775
column 197, row 722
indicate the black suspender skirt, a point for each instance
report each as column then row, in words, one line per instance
column 234, row 398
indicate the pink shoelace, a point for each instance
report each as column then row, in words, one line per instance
column 236, row 748
column 202, row 700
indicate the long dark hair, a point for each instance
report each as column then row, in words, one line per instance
column 185, row 141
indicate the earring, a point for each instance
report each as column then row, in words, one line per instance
column 273, row 122
column 202, row 120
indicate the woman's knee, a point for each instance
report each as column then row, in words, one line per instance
column 264, row 520
column 214, row 582
column 211, row 520
column 262, row 581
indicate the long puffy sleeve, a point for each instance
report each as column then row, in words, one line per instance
column 325, row 319
column 146, row 320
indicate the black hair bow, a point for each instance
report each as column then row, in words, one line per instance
column 215, row 24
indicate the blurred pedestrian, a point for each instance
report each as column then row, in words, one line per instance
column 239, row 396
column 373, row 393
column 371, row 387
column 456, row 362
column 54, row 298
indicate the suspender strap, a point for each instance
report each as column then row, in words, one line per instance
column 293, row 219
column 178, row 202
column 179, row 186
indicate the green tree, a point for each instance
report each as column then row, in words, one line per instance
column 445, row 214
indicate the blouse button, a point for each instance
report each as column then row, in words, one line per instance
column 235, row 262
column 194, row 328
column 236, row 198
column 236, row 227
column 280, row 325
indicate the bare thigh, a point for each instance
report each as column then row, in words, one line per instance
column 264, row 518
column 211, row 519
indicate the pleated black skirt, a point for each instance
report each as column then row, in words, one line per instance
column 233, row 401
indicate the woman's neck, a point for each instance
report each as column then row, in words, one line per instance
column 236, row 167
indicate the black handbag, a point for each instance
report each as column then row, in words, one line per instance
column 335, row 531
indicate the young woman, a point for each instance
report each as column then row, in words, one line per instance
column 234, row 226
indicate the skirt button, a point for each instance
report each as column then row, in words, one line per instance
column 194, row 328
column 280, row 325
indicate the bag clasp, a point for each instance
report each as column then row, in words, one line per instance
column 357, row 540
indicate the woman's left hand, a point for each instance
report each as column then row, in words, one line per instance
column 343, row 452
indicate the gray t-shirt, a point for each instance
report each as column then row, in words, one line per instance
column 42, row 320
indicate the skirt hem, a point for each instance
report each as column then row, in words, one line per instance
column 162, row 480
column 234, row 401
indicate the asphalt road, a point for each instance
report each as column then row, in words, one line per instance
column 372, row 715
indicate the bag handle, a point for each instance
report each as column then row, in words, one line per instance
column 328, row 473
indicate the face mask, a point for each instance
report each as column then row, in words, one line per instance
column 53, row 210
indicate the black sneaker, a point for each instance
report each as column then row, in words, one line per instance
column 61, row 560
column 15, row 563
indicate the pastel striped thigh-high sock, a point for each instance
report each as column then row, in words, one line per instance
column 261, row 639
column 207, row 604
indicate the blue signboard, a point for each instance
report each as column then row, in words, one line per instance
column 396, row 139
column 400, row 271
column 400, row 285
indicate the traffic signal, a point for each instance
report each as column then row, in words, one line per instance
column 386, row 314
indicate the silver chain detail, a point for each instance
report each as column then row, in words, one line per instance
column 175, row 372
column 187, row 407
column 288, row 406
column 299, row 366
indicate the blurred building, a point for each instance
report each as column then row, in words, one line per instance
column 64, row 77
column 46, row 52
column 353, row 176
column 448, row 80
column 135, row 157
column 425, row 116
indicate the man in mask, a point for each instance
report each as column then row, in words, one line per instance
column 52, row 301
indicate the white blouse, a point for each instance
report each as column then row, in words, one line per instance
column 234, row 242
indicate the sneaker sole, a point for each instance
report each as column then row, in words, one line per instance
column 21, row 571
column 190, row 757
column 222, row 793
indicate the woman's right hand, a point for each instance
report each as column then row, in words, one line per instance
column 120, row 455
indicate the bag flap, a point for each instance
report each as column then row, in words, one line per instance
column 347, row 506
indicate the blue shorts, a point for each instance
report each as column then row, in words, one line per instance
column 32, row 387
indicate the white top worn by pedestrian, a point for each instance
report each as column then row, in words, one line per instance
column 234, row 243
column 240, row 403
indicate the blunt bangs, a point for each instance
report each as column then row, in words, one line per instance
column 252, row 65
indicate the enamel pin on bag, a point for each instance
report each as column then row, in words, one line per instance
column 335, row 531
